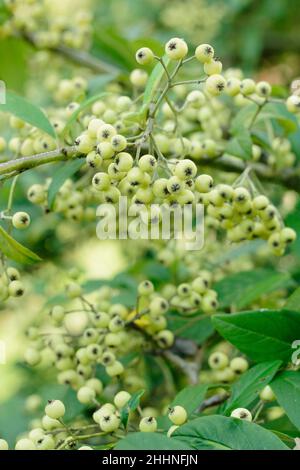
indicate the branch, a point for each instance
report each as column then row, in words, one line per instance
column 190, row 369
column 78, row 57
column 213, row 401
column 14, row 167
column 290, row 178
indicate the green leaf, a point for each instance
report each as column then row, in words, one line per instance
column 65, row 171
column 154, row 80
column 287, row 390
column 85, row 105
column 27, row 111
column 293, row 302
column 114, row 49
column 261, row 334
column 279, row 113
column 132, row 405
column 247, row 388
column 241, row 145
column 97, row 84
column 197, row 329
column 242, row 288
column 223, row 433
column 243, row 119
column 190, row 397
column 150, row 441
column 14, row 250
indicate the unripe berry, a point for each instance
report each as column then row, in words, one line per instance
column 118, row 143
column 25, row 444
column 267, row 394
column 147, row 163
column 263, row 89
column 21, row 220
column 13, row 274
column 177, row 415
column 148, row 424
column 86, row 395
column 109, row 423
column 241, row 413
column 55, row 409
column 144, row 56
column 176, row 49
column 105, row 150
column 213, row 67
column 101, row 181
column 247, row 86
column 45, row 442
column 106, row 132
column 94, row 126
column 36, row 194
column 185, row 169
column 16, row 289
column 32, row 356
column 293, row 104
column 121, row 399
column 218, row 360
column 138, row 78
column 288, row 235
column 50, row 424
column 239, row 365
column 260, row 203
column 215, row 84
column 204, row 53
column 94, row 160
column 3, row 445
column 85, row 448
column 115, row 369
column 145, row 288
column 124, row 161
column 164, row 339
column 233, row 86
column 158, row 306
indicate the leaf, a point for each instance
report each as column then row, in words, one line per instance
column 223, row 433
column 261, row 334
column 150, row 441
column 241, row 145
column 243, row 119
column 27, row 111
column 114, row 49
column 242, row 288
column 132, row 405
column 287, row 390
column 98, row 83
column 293, row 302
column 14, row 250
column 247, row 388
column 85, row 105
column 154, row 80
column 190, row 397
column 279, row 113
column 65, row 171
column 197, row 329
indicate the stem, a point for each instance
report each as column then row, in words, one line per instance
column 11, row 193
column 13, row 167
column 213, row 401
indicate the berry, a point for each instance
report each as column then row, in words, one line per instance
column 241, row 413
column 204, row 183
column 25, row 444
column 16, row 289
column 86, row 395
column 115, row 369
column 288, row 235
column 85, row 448
column 218, row 360
column 164, row 339
column 32, row 356
column 263, row 89
column 247, row 86
column 204, row 53
column 144, row 56
column 36, row 194
column 177, row 415
column 148, row 424
column 21, row 220
column 121, row 399
column 3, row 445
column 55, row 409
column 145, row 288
column 213, row 67
column 293, row 104
column 185, row 169
column 96, row 385
column 239, row 365
column 138, row 78
column 109, row 423
column 176, row 49
column 215, row 84
column 267, row 394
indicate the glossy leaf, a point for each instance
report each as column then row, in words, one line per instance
column 14, row 250
column 287, row 390
column 65, row 171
